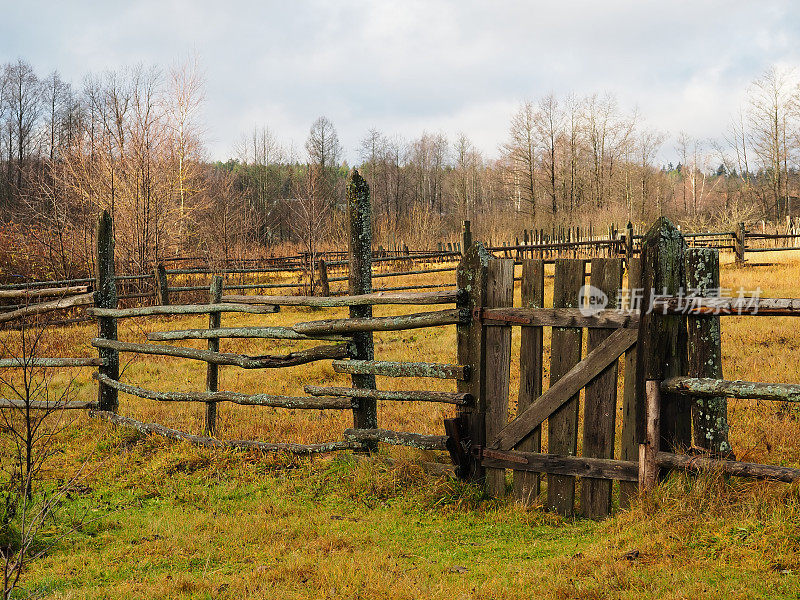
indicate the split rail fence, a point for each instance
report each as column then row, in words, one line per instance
column 673, row 394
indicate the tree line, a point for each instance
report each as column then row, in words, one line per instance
column 132, row 141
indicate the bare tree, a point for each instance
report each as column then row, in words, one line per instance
column 521, row 149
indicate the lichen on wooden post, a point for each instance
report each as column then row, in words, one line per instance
column 359, row 213
column 472, row 277
column 106, row 297
column 212, row 371
column 709, row 415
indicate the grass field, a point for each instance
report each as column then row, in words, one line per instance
column 174, row 521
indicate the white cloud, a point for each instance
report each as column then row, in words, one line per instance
column 435, row 65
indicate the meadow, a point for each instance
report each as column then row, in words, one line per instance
column 171, row 520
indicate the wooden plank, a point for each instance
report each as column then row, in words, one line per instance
column 751, row 306
column 271, row 333
column 399, row 395
column 709, row 414
column 43, row 307
column 497, row 356
column 728, row 467
column 526, row 483
column 300, row 357
column 600, row 401
column 293, row 402
column 402, row 369
column 355, row 325
column 180, row 309
column 564, row 465
column 370, row 299
column 200, row 440
column 398, row 438
column 41, row 361
column 562, row 422
column 711, row 388
column 662, row 338
column 41, row 292
column 472, row 275
column 566, row 387
column 559, row 317
column 630, row 443
column 17, row 404
column 212, row 370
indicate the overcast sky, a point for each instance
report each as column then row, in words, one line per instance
column 408, row 66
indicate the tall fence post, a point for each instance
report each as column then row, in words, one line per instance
column 738, row 243
column 324, row 285
column 466, row 237
column 359, row 213
column 497, row 358
column 662, row 338
column 629, row 242
column 212, row 370
column 106, row 297
column 162, row 285
column 472, row 277
column 709, row 415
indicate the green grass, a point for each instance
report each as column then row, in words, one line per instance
column 155, row 519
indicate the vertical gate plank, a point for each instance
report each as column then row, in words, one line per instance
column 565, row 353
column 709, row 415
column 630, row 443
column 526, row 484
column 600, row 406
column 499, row 292
column 471, row 276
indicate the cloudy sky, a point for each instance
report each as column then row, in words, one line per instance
column 407, row 66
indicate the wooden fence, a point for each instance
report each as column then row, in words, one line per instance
column 673, row 394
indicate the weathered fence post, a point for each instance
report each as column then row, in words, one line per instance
column 472, row 277
column 106, row 297
column 324, row 285
column 662, row 338
column 738, row 243
column 497, row 358
column 162, row 285
column 600, row 407
column 709, row 415
column 359, row 213
column 466, row 237
column 562, row 425
column 212, row 370
column 629, row 242
column 527, row 484
column 648, row 451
